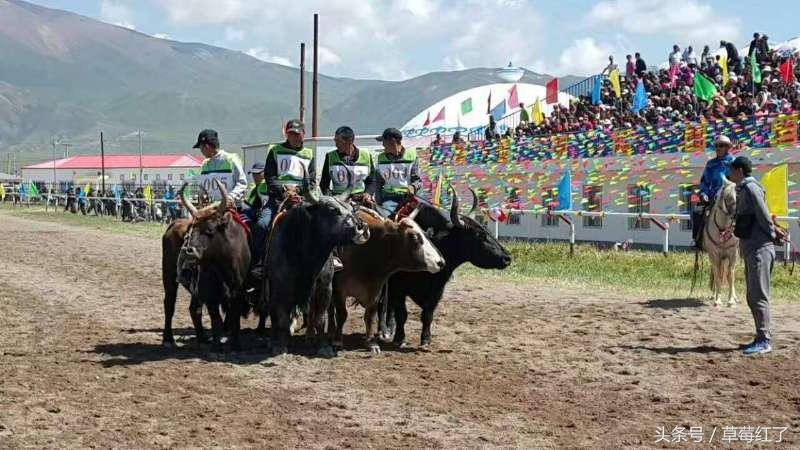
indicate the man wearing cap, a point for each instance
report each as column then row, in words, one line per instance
column 222, row 166
column 345, row 163
column 397, row 172
column 710, row 183
column 756, row 232
column 255, row 212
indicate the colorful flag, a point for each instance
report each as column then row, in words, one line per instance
column 787, row 70
column 148, row 195
column 439, row 116
column 499, row 111
column 466, row 106
column 427, row 120
column 703, row 88
column 552, row 91
column 33, row 191
column 536, row 113
column 723, row 64
column 437, row 191
column 614, row 77
column 513, row 98
column 565, row 192
column 776, row 189
column 639, row 98
column 754, row 69
column 598, row 81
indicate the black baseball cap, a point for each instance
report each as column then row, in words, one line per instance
column 345, row 132
column 207, row 136
column 390, row 133
column 295, row 126
column 257, row 168
column 744, row 163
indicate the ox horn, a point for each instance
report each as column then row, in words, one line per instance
column 223, row 204
column 454, row 210
column 344, row 196
column 186, row 202
column 309, row 186
column 474, row 203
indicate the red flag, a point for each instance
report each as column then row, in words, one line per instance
column 489, row 104
column 427, row 120
column 787, row 71
column 439, row 116
column 513, row 99
column 552, row 91
column 673, row 75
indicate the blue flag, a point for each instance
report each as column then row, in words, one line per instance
column 565, row 192
column 598, row 80
column 499, row 111
column 639, row 98
column 117, row 194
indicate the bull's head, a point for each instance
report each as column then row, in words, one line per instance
column 461, row 238
column 208, row 225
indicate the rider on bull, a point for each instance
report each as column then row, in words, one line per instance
column 254, row 210
column 397, row 172
column 710, row 184
column 223, row 166
column 347, row 163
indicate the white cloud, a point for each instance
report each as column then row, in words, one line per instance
column 116, row 13
column 389, row 39
column 683, row 19
column 584, row 57
column 453, row 63
column 162, row 36
column 264, row 55
column 234, row 34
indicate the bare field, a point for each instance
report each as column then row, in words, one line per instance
column 512, row 365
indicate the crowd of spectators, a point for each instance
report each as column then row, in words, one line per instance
column 670, row 94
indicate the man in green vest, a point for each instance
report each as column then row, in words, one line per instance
column 222, row 166
column 397, row 172
column 348, row 164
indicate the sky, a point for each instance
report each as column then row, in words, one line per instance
column 401, row 39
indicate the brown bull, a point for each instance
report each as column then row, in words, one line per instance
column 392, row 247
column 216, row 247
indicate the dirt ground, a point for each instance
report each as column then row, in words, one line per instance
column 511, row 366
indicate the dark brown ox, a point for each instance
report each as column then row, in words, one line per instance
column 392, row 247
column 216, row 245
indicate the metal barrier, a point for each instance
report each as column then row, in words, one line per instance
column 583, row 87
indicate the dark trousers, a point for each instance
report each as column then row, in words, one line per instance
column 259, row 220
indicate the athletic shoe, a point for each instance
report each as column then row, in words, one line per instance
column 758, row 348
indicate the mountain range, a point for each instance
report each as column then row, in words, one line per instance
column 67, row 77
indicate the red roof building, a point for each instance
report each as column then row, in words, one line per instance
column 121, row 162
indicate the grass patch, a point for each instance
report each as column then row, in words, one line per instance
column 151, row 230
column 633, row 272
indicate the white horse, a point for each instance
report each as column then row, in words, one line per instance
column 722, row 252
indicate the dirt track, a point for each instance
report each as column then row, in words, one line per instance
column 512, row 365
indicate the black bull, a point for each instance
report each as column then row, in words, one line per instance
column 459, row 239
column 218, row 246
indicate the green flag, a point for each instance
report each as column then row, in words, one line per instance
column 704, row 89
column 466, row 106
column 33, row 191
column 755, row 69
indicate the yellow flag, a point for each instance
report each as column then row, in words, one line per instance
column 775, row 184
column 2, row 193
column 614, row 77
column 87, row 190
column 536, row 115
column 723, row 64
column 148, row 195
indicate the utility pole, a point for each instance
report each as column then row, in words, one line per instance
column 53, row 188
column 141, row 181
column 302, row 82
column 315, row 86
column 102, row 165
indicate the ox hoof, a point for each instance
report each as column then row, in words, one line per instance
column 731, row 303
column 375, row 349
column 168, row 343
column 337, row 345
column 280, row 350
column 386, row 336
column 400, row 344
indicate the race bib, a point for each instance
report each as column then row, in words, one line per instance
column 292, row 166
column 207, row 182
column 395, row 175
